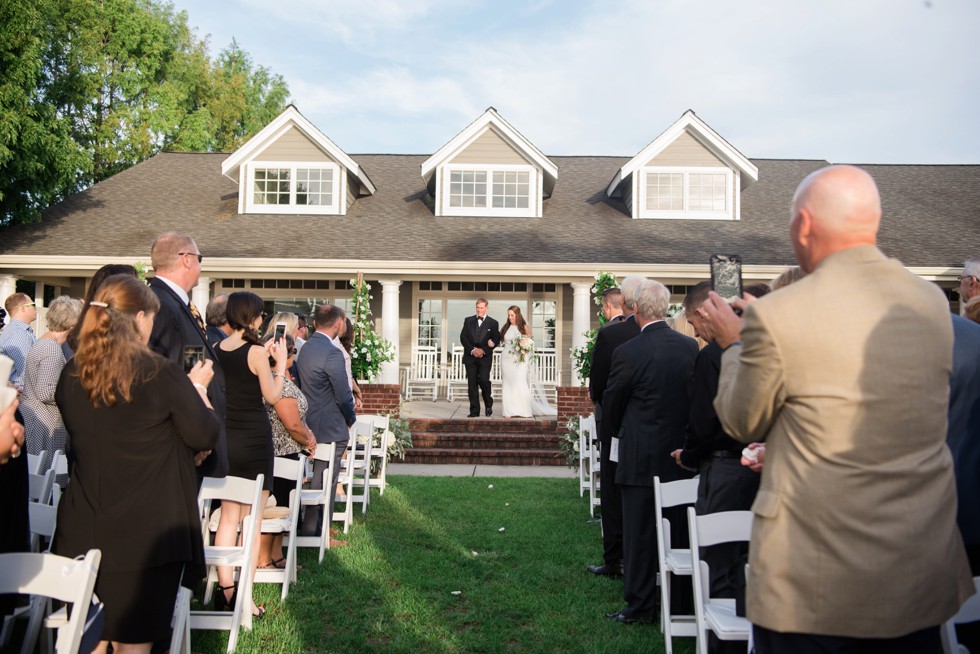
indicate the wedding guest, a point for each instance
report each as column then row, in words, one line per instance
column 291, row 320
column 135, row 420
column 249, row 379
column 290, row 435
column 11, row 434
column 43, row 426
column 969, row 282
column 971, row 310
column 302, row 333
column 14, row 495
column 345, row 340
column 218, row 329
column 100, row 275
column 17, row 337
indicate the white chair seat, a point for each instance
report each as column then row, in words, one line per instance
column 679, row 562
column 720, row 616
column 223, row 555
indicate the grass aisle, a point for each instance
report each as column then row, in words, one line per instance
column 523, row 589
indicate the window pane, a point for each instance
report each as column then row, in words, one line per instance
column 665, row 192
column 706, row 191
column 468, row 188
column 511, row 189
column 314, row 186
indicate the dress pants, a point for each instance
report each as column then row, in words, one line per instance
column 610, row 504
column 312, row 514
column 478, row 380
column 640, row 569
column 924, row 641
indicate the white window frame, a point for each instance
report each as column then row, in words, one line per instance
column 339, row 189
column 534, row 182
column 640, row 194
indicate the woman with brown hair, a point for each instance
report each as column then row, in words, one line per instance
column 249, row 379
column 136, row 420
column 518, row 395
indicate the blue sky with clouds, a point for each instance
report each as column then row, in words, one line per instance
column 859, row 81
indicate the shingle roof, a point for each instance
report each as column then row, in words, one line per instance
column 932, row 218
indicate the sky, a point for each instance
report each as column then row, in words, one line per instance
column 847, row 81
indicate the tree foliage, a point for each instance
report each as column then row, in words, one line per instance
column 91, row 87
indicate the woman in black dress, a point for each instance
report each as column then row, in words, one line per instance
column 136, row 420
column 249, row 379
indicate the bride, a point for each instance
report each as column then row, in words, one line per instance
column 521, row 396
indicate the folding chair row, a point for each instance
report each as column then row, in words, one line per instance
column 294, row 471
column 672, row 561
column 586, row 436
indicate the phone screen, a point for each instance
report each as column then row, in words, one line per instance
column 280, row 331
column 192, row 354
column 726, row 275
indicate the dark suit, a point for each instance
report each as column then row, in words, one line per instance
column 472, row 336
column 173, row 328
column 331, row 412
column 610, row 336
column 646, row 405
column 215, row 335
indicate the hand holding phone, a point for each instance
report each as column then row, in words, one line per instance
column 280, row 332
column 192, row 354
column 726, row 276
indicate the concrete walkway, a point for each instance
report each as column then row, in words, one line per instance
column 471, row 470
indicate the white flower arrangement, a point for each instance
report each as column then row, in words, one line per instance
column 370, row 350
column 522, row 348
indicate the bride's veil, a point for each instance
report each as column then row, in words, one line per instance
column 539, row 400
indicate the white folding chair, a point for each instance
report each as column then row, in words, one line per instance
column 43, row 518
column 47, row 577
column 40, row 486
column 456, row 384
column 584, row 453
column 293, row 470
column 243, row 491
column 672, row 561
column 356, row 471
column 180, row 639
column 717, row 615
column 969, row 612
column 595, row 468
column 379, row 451
column 36, row 461
column 320, row 497
column 423, row 374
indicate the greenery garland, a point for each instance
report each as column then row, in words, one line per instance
column 369, row 350
column 582, row 356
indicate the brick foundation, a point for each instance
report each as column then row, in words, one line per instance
column 380, row 398
column 573, row 401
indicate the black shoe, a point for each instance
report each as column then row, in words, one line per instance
column 489, row 411
column 474, row 415
column 222, row 602
column 621, row 617
column 613, row 571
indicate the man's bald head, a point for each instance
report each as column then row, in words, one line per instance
column 834, row 209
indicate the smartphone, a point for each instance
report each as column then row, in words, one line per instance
column 192, row 354
column 280, row 332
column 726, row 275
column 7, row 394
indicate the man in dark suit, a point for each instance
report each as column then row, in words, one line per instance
column 647, row 406
column 480, row 335
column 176, row 262
column 327, row 388
column 610, row 336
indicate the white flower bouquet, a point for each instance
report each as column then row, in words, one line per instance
column 522, row 348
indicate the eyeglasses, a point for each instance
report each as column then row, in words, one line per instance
column 29, row 304
column 963, row 278
column 200, row 257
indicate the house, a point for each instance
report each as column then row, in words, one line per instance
column 293, row 218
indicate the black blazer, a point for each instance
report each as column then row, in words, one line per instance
column 472, row 336
column 173, row 328
column 646, row 403
column 610, row 336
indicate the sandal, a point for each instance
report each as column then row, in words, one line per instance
column 260, row 614
column 223, row 603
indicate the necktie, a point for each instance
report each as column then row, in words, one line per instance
column 197, row 317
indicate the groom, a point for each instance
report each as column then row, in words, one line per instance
column 479, row 336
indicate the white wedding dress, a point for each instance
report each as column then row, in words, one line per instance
column 520, row 396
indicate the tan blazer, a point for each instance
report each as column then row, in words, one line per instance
column 845, row 375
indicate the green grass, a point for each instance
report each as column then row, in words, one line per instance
column 524, row 589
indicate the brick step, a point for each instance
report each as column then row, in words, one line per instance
column 483, row 425
column 485, row 441
column 537, row 457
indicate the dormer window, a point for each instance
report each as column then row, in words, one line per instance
column 285, row 188
column 697, row 193
column 476, row 190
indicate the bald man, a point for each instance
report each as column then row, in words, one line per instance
column 845, row 375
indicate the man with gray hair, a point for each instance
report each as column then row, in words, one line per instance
column 610, row 336
column 217, row 320
column 176, row 262
column 969, row 282
column 646, row 406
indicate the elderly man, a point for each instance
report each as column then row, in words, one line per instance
column 612, row 335
column 176, row 262
column 646, row 405
column 217, row 320
column 845, row 374
column 969, row 282
column 18, row 337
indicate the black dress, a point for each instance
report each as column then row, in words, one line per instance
column 246, row 423
column 133, row 494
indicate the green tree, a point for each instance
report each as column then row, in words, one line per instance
column 89, row 88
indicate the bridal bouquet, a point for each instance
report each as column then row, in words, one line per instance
column 523, row 348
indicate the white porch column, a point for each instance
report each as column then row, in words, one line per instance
column 8, row 286
column 201, row 294
column 389, row 328
column 581, row 314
